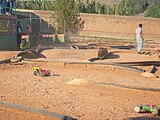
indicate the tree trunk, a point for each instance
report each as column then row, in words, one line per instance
column 67, row 37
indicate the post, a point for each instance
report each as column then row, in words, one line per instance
column 64, row 30
column 30, row 19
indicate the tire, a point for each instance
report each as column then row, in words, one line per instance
column 35, row 73
column 137, row 109
column 155, row 111
column 42, row 74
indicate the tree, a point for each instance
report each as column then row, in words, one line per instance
column 20, row 4
column 98, row 7
column 153, row 11
column 81, row 6
column 68, row 17
column 90, row 7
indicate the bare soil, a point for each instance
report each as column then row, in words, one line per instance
column 91, row 101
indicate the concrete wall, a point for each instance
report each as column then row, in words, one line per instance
column 120, row 26
column 113, row 26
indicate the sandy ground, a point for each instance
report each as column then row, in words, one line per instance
column 92, row 101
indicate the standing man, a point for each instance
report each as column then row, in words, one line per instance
column 19, row 34
column 139, row 38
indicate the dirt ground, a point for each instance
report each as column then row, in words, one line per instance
column 92, row 101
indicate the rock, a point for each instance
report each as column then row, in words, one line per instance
column 78, row 81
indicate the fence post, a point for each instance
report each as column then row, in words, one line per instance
column 64, row 30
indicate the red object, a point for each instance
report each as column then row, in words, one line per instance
column 46, row 72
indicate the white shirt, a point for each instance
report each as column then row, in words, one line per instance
column 138, row 32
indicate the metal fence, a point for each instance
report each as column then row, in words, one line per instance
column 43, row 32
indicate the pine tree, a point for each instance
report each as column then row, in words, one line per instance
column 68, row 17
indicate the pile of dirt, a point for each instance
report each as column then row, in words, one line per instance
column 78, row 81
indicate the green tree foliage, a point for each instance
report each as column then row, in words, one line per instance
column 153, row 11
column 91, row 7
column 20, row 4
column 121, row 7
column 81, row 7
column 68, row 17
column 98, row 7
column 126, row 7
column 129, row 7
column 35, row 5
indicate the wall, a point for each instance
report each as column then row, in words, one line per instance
column 113, row 26
column 120, row 26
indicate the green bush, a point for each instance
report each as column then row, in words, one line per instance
column 121, row 7
column 153, row 11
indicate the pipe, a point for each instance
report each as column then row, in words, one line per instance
column 141, row 63
column 35, row 110
column 118, row 65
column 128, row 87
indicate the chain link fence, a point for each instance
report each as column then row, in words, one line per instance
column 43, row 32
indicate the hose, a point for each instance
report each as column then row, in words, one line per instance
column 5, row 61
column 114, row 64
column 35, row 110
column 128, row 87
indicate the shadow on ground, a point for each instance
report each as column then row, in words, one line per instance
column 112, row 56
column 33, row 56
column 129, row 47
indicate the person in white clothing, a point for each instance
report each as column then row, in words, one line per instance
column 139, row 38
